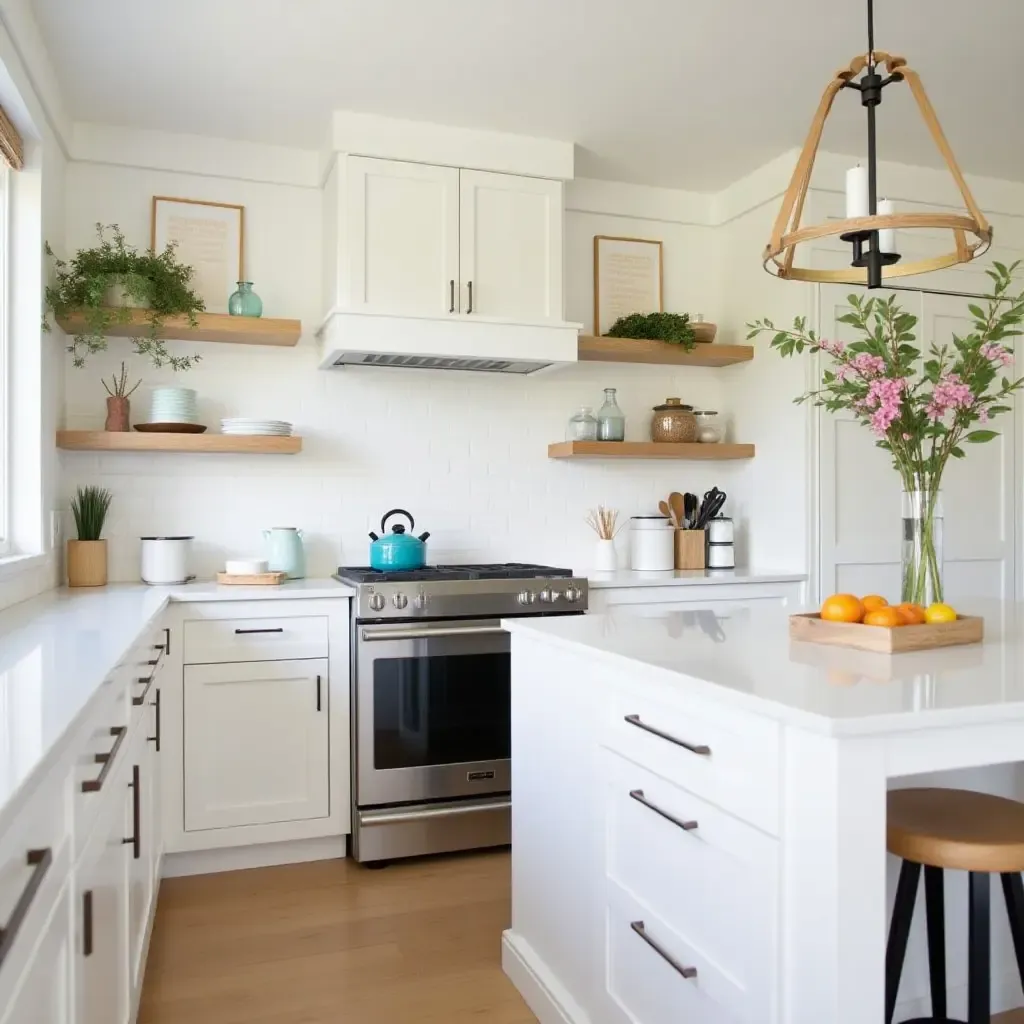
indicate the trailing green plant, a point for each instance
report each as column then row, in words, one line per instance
column 118, row 386
column 156, row 280
column 671, row 327
column 89, row 507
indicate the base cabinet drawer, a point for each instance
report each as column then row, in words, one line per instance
column 256, row 743
column 276, row 638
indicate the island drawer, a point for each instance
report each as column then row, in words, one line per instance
column 725, row 756
column 712, row 878
column 653, row 975
column 277, row 638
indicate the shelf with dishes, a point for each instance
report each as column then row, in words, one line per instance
column 648, row 450
column 603, row 349
column 153, row 441
column 218, row 327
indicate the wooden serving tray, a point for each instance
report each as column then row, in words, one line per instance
column 967, row 629
column 262, row 579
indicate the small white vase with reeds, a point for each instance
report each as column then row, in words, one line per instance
column 603, row 522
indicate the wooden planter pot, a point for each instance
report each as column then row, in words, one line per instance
column 87, row 563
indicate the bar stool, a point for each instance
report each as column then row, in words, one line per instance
column 965, row 831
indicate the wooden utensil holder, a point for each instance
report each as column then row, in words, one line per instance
column 690, row 549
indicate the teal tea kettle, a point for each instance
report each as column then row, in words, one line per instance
column 398, row 549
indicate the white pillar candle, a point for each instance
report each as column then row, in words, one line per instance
column 886, row 236
column 857, row 192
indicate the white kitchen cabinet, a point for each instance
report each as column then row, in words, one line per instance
column 139, row 850
column 404, row 236
column 510, row 246
column 255, row 743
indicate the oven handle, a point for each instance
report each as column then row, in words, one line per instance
column 425, row 814
column 431, row 634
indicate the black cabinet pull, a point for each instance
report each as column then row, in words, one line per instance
column 318, row 693
column 451, row 295
column 136, row 837
column 167, row 639
column 698, row 748
column 87, row 923
column 39, row 861
column 276, row 629
column 156, row 716
column 141, row 698
column 638, row 796
column 686, row 972
column 107, row 760
column 469, row 308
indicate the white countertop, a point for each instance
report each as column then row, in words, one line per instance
column 56, row 650
column 745, row 658
column 688, row 578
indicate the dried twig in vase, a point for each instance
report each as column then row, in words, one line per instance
column 120, row 383
column 603, row 522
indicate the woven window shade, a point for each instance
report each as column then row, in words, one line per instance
column 11, row 147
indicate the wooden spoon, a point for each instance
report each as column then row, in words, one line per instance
column 676, row 504
column 668, row 513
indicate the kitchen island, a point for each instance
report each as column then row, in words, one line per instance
column 700, row 807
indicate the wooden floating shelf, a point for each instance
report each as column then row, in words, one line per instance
column 602, row 349
column 235, row 330
column 130, row 441
column 648, row 450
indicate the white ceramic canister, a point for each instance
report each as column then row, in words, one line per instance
column 721, row 556
column 721, row 530
column 651, row 544
column 165, row 559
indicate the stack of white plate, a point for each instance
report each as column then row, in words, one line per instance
column 264, row 428
column 173, row 405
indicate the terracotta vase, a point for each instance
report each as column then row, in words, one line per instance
column 87, row 563
column 118, row 409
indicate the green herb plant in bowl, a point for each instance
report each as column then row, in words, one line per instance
column 673, row 328
column 109, row 282
column 87, row 556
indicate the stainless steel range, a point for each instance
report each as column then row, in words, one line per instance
column 431, row 672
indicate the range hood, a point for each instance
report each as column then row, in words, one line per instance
column 460, row 342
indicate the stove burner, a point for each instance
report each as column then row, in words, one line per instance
column 432, row 573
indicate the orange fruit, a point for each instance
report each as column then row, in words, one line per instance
column 889, row 617
column 873, row 602
column 913, row 614
column 842, row 608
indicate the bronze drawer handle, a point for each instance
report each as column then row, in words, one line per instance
column 698, row 748
column 135, row 839
column 686, row 972
column 39, row 861
column 141, row 699
column 107, row 760
column 638, row 796
column 156, row 720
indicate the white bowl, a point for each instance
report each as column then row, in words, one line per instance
column 245, row 566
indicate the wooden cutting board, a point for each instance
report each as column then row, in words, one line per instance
column 967, row 629
column 262, row 579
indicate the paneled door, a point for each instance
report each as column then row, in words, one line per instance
column 510, row 249
column 859, row 491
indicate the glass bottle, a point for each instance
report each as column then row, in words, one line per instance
column 921, row 552
column 611, row 424
column 582, row 426
column 245, row 302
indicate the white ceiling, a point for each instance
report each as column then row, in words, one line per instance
column 684, row 93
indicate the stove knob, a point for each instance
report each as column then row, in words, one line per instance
column 399, row 600
column 546, row 595
column 556, row 595
column 377, row 602
column 573, row 594
column 420, row 602
column 526, row 597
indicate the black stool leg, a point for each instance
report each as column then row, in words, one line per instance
column 899, row 933
column 1013, row 892
column 934, row 898
column 979, row 957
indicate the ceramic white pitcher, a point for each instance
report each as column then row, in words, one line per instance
column 285, row 552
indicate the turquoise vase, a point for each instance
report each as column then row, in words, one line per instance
column 245, row 302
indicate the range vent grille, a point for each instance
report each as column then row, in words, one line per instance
column 410, row 362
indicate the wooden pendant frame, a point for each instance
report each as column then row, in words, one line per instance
column 787, row 233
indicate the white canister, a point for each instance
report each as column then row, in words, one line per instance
column 651, row 544
column 721, row 530
column 165, row 559
column 721, row 556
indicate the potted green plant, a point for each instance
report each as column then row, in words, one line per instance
column 118, row 406
column 87, row 556
column 104, row 283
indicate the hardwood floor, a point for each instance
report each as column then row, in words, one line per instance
column 331, row 942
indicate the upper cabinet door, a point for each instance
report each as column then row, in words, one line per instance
column 404, row 225
column 510, row 251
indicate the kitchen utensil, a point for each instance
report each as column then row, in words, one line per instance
column 285, row 551
column 673, row 422
column 258, row 579
column 710, row 507
column 170, row 428
column 398, row 549
column 666, row 511
column 651, row 546
column 690, row 506
column 689, row 549
column 245, row 566
column 165, row 559
column 677, row 504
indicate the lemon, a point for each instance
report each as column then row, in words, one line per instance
column 939, row 612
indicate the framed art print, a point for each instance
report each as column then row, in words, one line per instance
column 627, row 279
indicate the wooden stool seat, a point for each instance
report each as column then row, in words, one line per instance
column 956, row 828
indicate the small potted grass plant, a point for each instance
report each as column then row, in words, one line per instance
column 87, row 556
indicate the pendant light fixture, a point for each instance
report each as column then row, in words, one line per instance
column 870, row 226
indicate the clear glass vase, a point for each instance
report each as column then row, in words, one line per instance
column 611, row 424
column 921, row 551
column 582, row 426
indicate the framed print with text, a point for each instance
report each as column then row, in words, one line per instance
column 627, row 279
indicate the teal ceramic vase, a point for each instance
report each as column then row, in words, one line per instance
column 245, row 302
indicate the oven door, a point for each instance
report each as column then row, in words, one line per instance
column 433, row 711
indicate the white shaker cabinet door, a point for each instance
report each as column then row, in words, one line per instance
column 140, row 826
column 510, row 248
column 256, row 743
column 404, row 230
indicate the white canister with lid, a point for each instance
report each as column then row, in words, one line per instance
column 165, row 559
column 721, row 530
column 651, row 544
